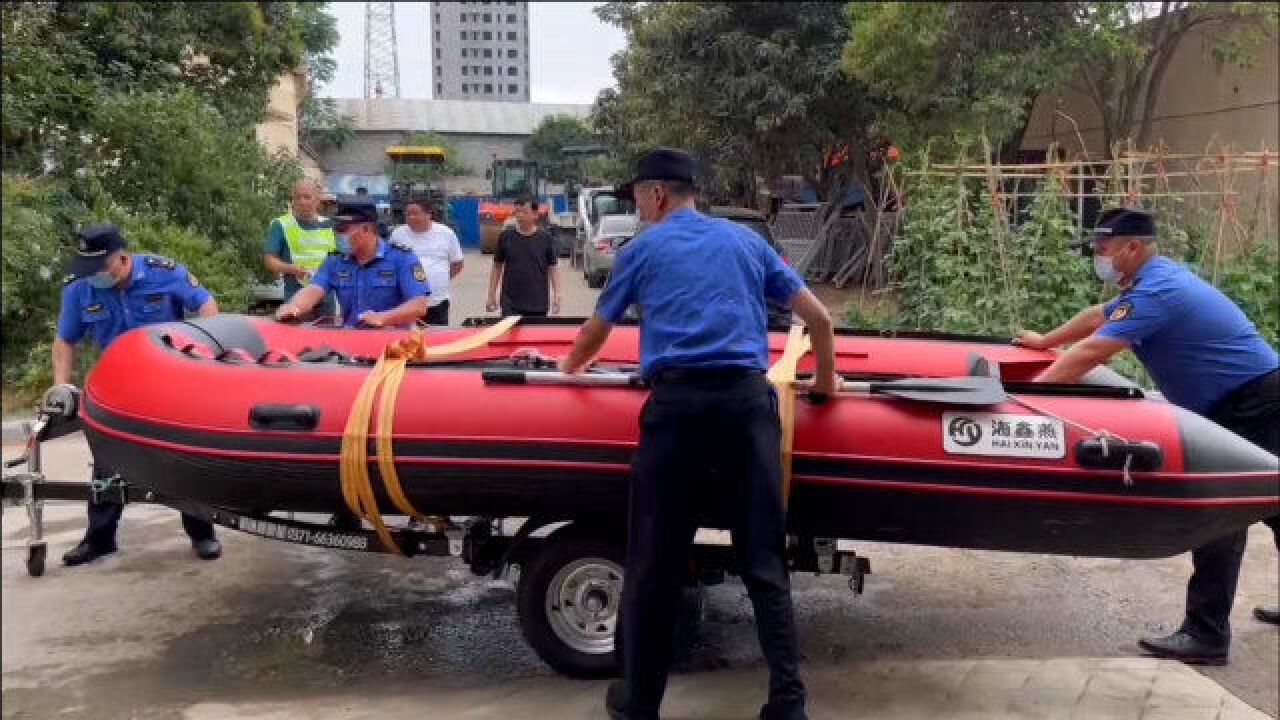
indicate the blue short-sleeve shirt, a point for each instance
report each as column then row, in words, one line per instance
column 701, row 284
column 159, row 290
column 1197, row 344
column 390, row 279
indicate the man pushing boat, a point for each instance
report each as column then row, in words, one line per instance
column 710, row 428
column 378, row 283
column 1205, row 356
column 108, row 291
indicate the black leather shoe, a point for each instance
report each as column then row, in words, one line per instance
column 86, row 552
column 1181, row 646
column 209, row 549
column 1268, row 614
column 774, row 712
column 615, row 700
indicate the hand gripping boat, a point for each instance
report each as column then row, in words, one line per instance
column 247, row 414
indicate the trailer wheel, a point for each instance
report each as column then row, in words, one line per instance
column 35, row 559
column 568, row 599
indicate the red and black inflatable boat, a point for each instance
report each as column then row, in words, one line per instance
column 247, row 414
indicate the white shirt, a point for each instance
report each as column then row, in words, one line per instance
column 436, row 249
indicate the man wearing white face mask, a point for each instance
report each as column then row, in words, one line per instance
column 1205, row 356
column 109, row 291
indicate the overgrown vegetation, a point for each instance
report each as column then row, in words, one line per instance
column 960, row 265
column 144, row 114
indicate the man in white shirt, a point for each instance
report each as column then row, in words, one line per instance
column 437, row 248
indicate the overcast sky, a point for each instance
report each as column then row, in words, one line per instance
column 569, row 51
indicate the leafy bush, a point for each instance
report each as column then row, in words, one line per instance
column 37, row 225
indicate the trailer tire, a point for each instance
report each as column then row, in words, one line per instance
column 567, row 600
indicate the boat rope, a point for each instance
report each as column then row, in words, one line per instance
column 383, row 382
column 1102, row 435
column 783, row 377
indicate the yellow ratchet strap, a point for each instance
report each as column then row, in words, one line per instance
column 387, row 375
column 783, row 377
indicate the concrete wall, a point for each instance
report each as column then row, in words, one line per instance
column 1202, row 101
column 280, row 130
column 365, row 156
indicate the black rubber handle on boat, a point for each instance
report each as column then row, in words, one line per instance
column 284, row 417
column 505, row 377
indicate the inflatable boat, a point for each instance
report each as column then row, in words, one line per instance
column 248, row 414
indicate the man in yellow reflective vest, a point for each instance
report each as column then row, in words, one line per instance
column 298, row 241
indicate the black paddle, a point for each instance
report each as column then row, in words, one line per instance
column 949, row 390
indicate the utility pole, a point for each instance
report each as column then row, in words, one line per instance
column 381, row 61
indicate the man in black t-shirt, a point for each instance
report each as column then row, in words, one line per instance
column 523, row 263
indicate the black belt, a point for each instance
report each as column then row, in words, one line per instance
column 703, row 374
column 1244, row 391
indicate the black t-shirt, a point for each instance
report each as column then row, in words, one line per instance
column 524, row 275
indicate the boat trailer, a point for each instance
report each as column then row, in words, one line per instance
column 567, row 571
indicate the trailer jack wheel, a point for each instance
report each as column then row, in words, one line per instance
column 35, row 559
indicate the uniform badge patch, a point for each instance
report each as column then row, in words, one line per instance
column 1122, row 310
column 418, row 273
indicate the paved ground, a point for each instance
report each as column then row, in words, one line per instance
column 279, row 631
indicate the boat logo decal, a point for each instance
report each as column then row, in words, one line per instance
column 1031, row 436
column 418, row 273
column 964, row 431
column 1121, row 311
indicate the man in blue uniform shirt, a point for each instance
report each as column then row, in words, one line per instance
column 1205, row 356
column 709, row 432
column 109, row 291
column 378, row 284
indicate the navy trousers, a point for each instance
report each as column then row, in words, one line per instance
column 708, row 452
column 1252, row 412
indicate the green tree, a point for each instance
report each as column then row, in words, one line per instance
column 141, row 113
column 553, row 134
column 753, row 88
column 959, row 68
column 320, row 125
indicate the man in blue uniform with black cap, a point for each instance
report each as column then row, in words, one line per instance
column 109, row 291
column 378, row 283
column 709, row 432
column 1205, row 356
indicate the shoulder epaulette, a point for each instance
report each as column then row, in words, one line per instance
column 400, row 245
column 160, row 261
column 68, row 279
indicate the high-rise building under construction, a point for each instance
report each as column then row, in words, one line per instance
column 480, row 51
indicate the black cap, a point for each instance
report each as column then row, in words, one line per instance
column 1122, row 222
column 661, row 164
column 355, row 210
column 93, row 244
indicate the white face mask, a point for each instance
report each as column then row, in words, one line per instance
column 1106, row 270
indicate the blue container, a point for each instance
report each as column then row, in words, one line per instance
column 559, row 204
column 466, row 220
